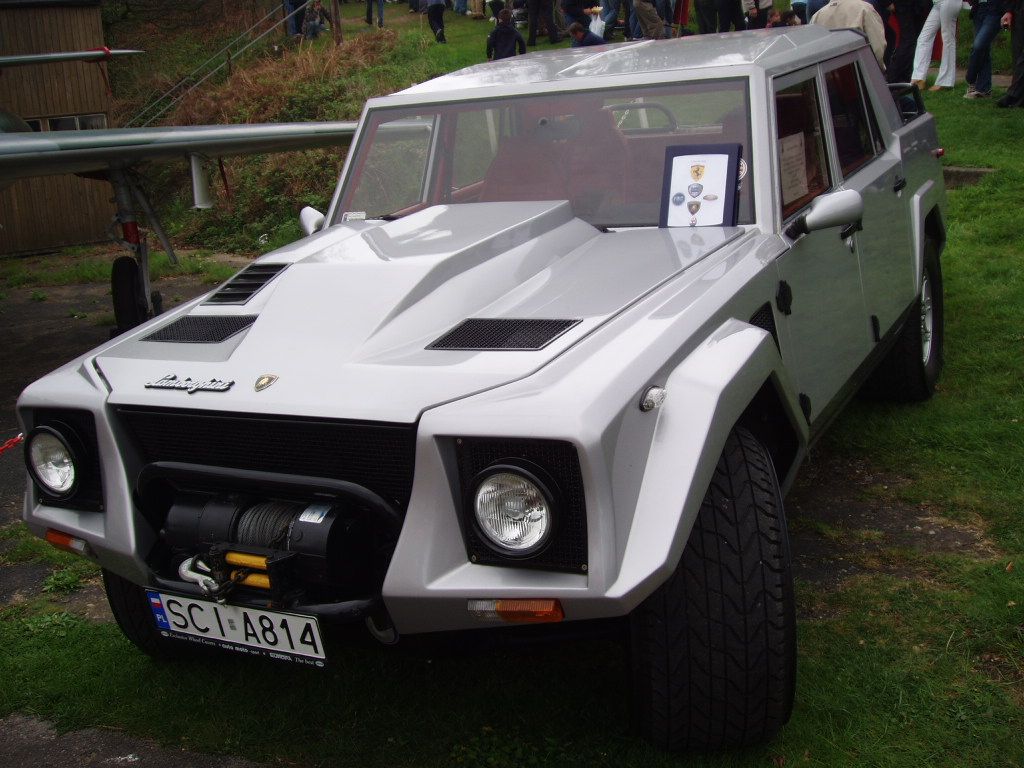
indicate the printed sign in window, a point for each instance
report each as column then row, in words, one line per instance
column 699, row 186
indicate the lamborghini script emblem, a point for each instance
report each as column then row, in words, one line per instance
column 170, row 381
column 265, row 381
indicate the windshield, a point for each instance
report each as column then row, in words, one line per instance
column 603, row 151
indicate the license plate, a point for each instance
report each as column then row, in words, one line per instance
column 284, row 636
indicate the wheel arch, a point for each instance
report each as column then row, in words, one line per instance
column 735, row 378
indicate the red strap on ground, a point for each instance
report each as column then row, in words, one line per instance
column 11, row 443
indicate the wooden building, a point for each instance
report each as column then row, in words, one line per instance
column 53, row 211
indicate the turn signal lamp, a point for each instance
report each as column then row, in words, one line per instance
column 65, row 541
column 517, row 611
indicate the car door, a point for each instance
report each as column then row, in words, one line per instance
column 865, row 163
column 827, row 327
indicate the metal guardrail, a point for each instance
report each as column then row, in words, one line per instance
column 223, row 58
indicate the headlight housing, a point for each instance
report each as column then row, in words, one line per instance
column 52, row 462
column 513, row 510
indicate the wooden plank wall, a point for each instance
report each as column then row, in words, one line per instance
column 53, row 211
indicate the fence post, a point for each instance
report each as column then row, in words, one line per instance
column 336, row 21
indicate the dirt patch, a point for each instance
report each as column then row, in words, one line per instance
column 845, row 520
column 29, row 741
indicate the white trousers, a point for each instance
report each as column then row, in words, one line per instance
column 942, row 16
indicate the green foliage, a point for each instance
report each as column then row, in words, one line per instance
column 64, row 581
column 38, row 296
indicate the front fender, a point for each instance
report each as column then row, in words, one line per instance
column 707, row 393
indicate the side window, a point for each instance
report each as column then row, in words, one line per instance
column 856, row 144
column 803, row 164
column 395, row 170
column 478, row 133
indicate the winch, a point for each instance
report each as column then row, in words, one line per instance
column 294, row 539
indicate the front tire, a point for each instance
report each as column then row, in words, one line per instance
column 130, row 606
column 714, row 648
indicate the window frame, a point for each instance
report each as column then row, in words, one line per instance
column 878, row 145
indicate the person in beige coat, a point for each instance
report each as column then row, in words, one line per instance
column 854, row 14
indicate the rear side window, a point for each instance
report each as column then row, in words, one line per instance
column 856, row 143
column 803, row 164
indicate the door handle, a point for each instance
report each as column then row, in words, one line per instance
column 899, row 184
column 850, row 229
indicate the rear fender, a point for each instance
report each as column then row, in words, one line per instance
column 707, row 393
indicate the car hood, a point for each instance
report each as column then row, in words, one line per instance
column 345, row 329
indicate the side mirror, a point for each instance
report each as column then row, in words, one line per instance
column 311, row 220
column 832, row 210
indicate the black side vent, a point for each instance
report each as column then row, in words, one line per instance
column 243, row 286
column 480, row 334
column 202, row 329
column 765, row 318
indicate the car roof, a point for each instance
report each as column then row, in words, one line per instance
column 771, row 50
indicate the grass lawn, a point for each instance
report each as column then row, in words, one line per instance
column 920, row 668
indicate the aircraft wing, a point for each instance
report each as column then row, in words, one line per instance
column 35, row 154
column 96, row 54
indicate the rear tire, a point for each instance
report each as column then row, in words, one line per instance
column 130, row 606
column 714, row 648
column 910, row 370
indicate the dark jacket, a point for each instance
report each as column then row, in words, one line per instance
column 504, row 41
column 589, row 38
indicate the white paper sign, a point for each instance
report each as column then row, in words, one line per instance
column 793, row 167
column 697, row 190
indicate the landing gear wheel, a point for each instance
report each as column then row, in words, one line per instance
column 909, row 371
column 714, row 648
column 130, row 606
column 125, row 287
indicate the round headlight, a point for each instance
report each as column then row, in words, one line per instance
column 513, row 512
column 52, row 462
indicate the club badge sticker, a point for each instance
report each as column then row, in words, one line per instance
column 699, row 187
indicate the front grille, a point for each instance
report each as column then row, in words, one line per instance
column 559, row 460
column 510, row 334
column 377, row 455
column 202, row 329
column 80, row 428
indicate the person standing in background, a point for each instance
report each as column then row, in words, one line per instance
column 757, row 12
column 882, row 9
column 854, row 14
column 986, row 15
column 504, row 40
column 910, row 15
column 813, row 6
column 572, row 11
column 1013, row 20
column 730, row 14
column 534, row 10
column 435, row 18
column 380, row 13
column 707, row 16
column 942, row 17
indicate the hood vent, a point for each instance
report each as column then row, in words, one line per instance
column 510, row 334
column 202, row 329
column 243, row 286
